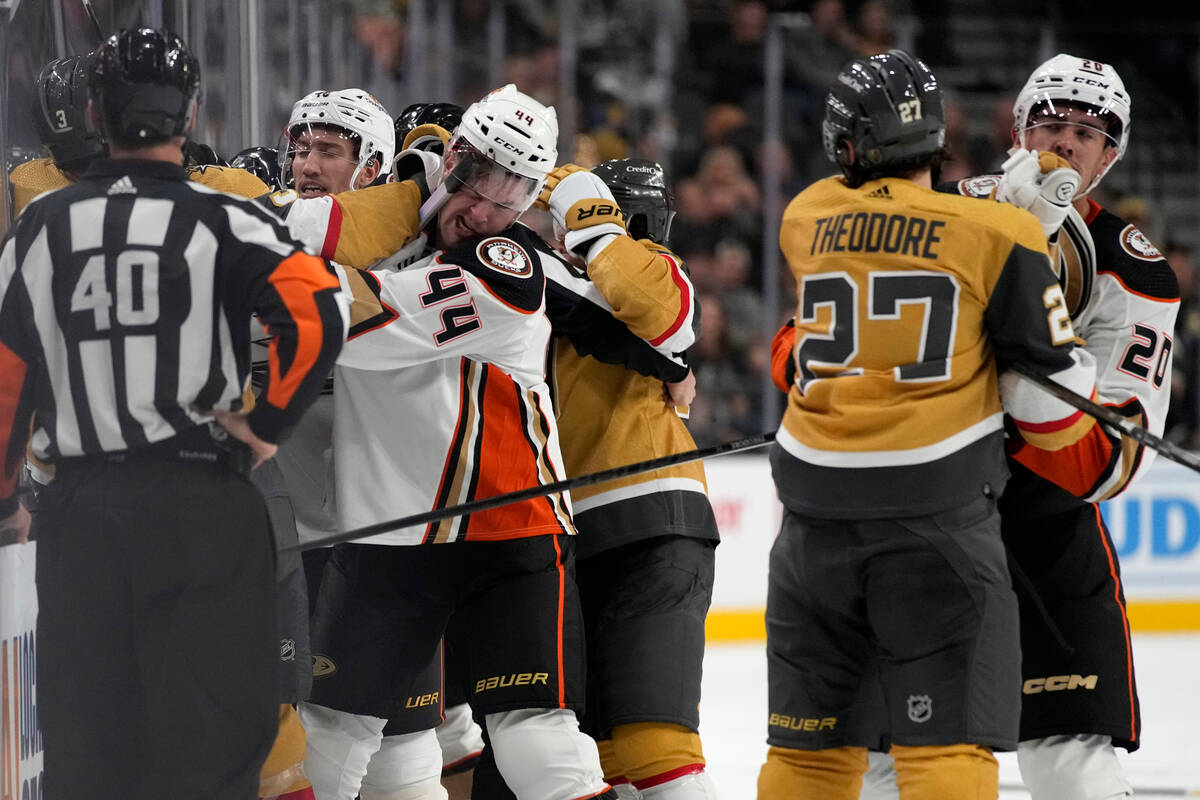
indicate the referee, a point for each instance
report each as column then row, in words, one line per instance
column 125, row 306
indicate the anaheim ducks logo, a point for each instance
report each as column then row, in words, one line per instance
column 1137, row 245
column 979, row 186
column 323, row 666
column 504, row 255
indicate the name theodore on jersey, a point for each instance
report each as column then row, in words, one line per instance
column 863, row 232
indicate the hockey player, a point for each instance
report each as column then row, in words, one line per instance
column 60, row 115
column 1123, row 298
column 156, row 558
column 646, row 543
column 890, row 455
column 474, row 333
column 335, row 141
column 1073, row 116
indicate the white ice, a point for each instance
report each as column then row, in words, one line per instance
column 733, row 719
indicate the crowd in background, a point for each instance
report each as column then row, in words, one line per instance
column 706, row 126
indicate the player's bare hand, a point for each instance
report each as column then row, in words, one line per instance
column 239, row 429
column 16, row 524
column 681, row 393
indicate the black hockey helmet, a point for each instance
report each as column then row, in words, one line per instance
column 640, row 189
column 144, row 82
column 262, row 162
column 883, row 116
column 60, row 114
column 444, row 115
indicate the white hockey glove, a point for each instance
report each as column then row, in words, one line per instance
column 1042, row 183
column 418, row 165
column 585, row 208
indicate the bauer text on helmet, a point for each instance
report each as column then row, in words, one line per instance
column 353, row 115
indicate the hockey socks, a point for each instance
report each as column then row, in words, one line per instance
column 963, row 771
column 834, row 774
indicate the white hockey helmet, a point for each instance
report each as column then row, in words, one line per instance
column 1067, row 80
column 512, row 141
column 353, row 110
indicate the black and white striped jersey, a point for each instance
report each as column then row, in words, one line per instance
column 125, row 306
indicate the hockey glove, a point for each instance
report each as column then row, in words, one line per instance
column 417, row 165
column 557, row 174
column 1043, row 184
column 429, row 137
column 584, row 206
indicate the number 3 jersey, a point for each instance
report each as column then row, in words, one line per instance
column 907, row 301
column 441, row 396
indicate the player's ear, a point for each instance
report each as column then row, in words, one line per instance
column 367, row 174
column 844, row 153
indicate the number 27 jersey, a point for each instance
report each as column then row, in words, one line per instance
column 907, row 299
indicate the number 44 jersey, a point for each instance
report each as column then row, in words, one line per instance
column 908, row 302
column 440, row 395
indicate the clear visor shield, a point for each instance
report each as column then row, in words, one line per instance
column 471, row 169
column 1048, row 111
column 323, row 142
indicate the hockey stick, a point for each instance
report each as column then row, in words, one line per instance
column 536, row 491
column 1112, row 419
column 91, row 14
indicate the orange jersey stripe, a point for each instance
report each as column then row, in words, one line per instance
column 508, row 461
column 1112, row 570
column 295, row 279
column 562, row 603
column 1076, row 467
column 12, row 379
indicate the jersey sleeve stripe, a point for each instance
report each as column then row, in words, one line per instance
column 294, row 280
column 685, row 300
column 1053, row 426
column 1127, row 288
column 333, row 230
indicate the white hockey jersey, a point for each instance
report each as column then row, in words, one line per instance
column 1123, row 299
column 440, row 396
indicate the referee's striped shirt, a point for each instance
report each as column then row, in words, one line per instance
column 125, row 306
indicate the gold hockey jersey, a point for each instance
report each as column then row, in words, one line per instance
column 907, row 298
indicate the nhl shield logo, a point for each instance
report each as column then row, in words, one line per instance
column 920, row 707
column 287, row 649
column 504, row 255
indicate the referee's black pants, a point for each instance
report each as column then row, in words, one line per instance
column 157, row 662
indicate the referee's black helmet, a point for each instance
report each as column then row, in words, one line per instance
column 60, row 114
column 883, row 116
column 144, row 82
column 640, row 188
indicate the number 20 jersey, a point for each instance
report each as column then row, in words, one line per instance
column 907, row 299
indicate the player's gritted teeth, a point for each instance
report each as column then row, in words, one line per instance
column 312, row 189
